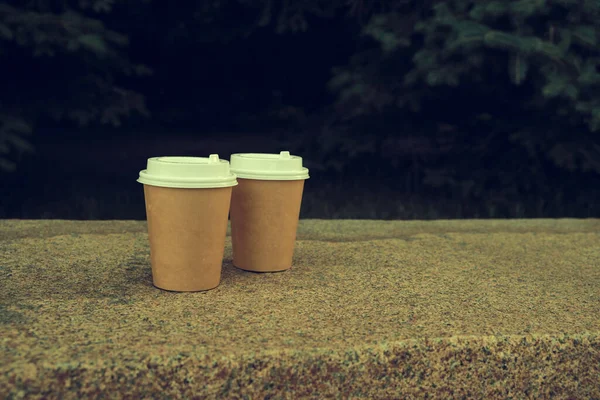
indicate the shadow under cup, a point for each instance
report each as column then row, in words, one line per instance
column 187, row 229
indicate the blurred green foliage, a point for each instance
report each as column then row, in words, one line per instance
column 60, row 61
column 462, row 97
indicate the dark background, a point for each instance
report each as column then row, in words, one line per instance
column 410, row 110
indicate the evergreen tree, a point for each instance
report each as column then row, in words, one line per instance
column 74, row 56
column 60, row 60
column 433, row 55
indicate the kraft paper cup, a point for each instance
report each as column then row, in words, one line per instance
column 265, row 207
column 187, row 204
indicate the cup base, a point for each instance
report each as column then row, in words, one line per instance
column 262, row 272
column 185, row 290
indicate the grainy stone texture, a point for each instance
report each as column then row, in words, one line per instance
column 370, row 309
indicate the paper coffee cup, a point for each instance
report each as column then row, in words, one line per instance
column 265, row 207
column 187, row 204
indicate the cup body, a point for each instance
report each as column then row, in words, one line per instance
column 264, row 218
column 187, row 229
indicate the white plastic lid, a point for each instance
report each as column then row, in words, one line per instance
column 274, row 167
column 188, row 172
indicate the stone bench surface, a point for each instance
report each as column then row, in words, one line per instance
column 377, row 309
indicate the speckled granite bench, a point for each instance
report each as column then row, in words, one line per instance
column 370, row 309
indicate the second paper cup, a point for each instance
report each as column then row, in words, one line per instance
column 265, row 207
